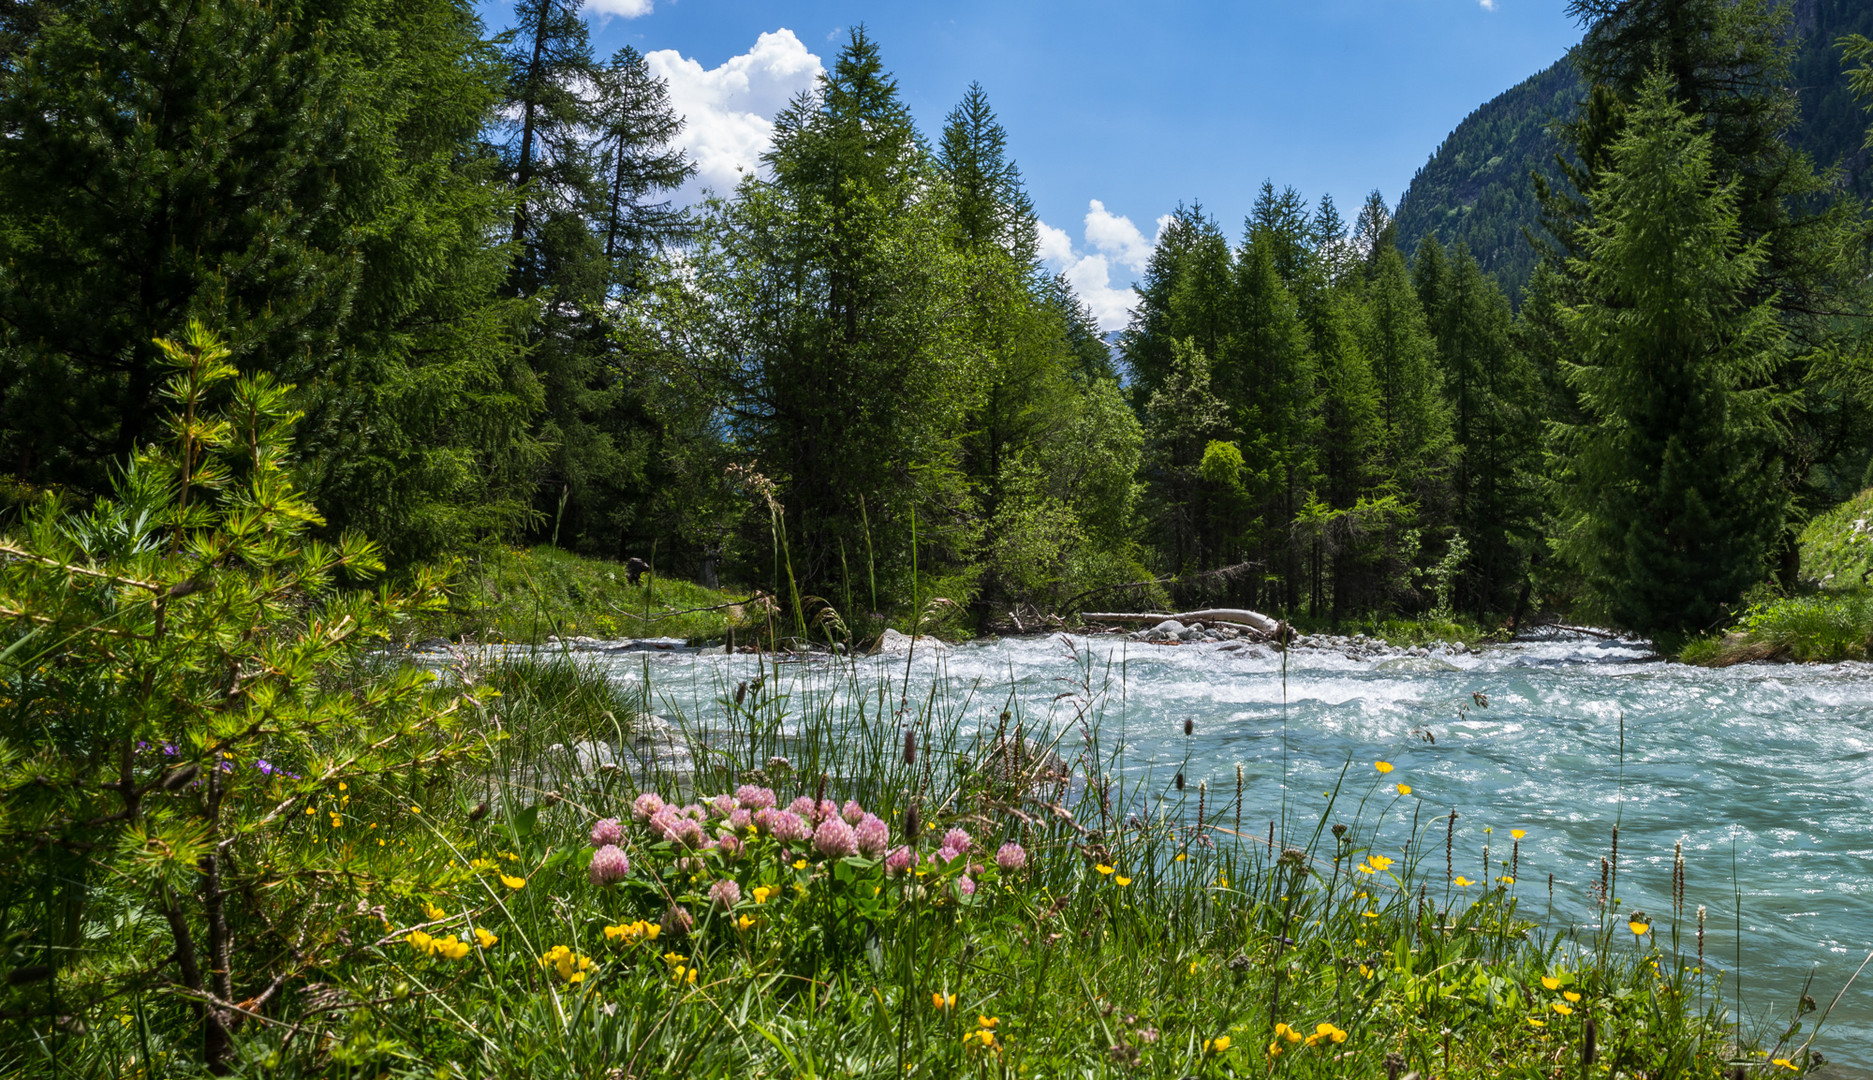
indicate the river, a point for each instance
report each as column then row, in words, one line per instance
column 1765, row 773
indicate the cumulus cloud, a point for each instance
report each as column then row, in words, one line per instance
column 1488, row 5
column 729, row 110
column 1116, row 245
column 625, row 9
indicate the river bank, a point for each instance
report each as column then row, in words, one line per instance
column 1752, row 774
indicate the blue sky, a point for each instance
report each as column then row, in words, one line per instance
column 1117, row 111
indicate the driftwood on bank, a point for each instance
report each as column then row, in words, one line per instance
column 1254, row 620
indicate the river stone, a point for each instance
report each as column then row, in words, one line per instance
column 1422, row 664
column 893, row 643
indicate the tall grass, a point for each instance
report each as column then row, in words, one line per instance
column 1152, row 932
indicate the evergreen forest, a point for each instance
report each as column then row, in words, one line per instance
column 850, row 383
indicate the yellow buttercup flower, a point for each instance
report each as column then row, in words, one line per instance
column 1376, row 864
column 943, row 1002
column 1570, row 995
column 1122, row 880
column 799, row 864
column 1638, row 928
column 987, row 1021
column 1216, row 1045
column 568, row 965
column 1550, row 982
column 432, row 912
column 1562, row 1007
column 1463, row 882
column 484, row 938
column 1404, row 789
column 1382, row 766
column 512, row 882
column 1518, row 833
column 1103, row 868
column 746, row 922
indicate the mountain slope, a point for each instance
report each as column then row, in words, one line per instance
column 1476, row 189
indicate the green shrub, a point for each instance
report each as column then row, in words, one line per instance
column 207, row 793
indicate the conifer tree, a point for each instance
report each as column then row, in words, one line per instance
column 639, row 166
column 1345, row 530
column 1412, row 409
column 1490, row 390
column 1182, row 418
column 1269, row 382
column 989, row 204
column 1146, row 346
column 1670, row 488
column 830, row 301
column 1729, row 62
column 308, row 177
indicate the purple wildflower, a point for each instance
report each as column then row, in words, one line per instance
column 723, row 805
column 609, row 865
column 873, row 836
column 834, row 838
column 645, row 806
column 678, row 922
column 663, row 823
column 689, row 833
column 957, row 840
column 966, row 885
column 899, row 860
column 695, row 812
column 852, row 812
column 755, row 798
column 740, row 819
column 728, row 846
column 606, row 831
column 803, row 806
column 1011, row 857
column 783, row 825
column 725, row 893
column 826, row 809
column 945, row 855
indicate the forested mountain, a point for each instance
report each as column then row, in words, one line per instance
column 1475, row 190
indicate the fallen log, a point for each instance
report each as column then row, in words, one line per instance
column 1254, row 620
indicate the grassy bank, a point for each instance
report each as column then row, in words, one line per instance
column 530, row 594
column 1138, row 930
column 1825, row 627
column 1831, row 621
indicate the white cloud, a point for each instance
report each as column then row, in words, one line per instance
column 1488, row 5
column 1117, row 237
column 1116, row 243
column 729, row 110
column 627, row 9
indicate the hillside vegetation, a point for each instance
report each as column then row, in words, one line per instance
column 1477, row 190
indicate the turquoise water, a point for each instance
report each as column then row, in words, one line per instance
column 1767, row 769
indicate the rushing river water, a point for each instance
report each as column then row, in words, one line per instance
column 1764, row 769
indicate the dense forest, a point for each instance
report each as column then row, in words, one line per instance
column 849, row 381
column 1475, row 190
